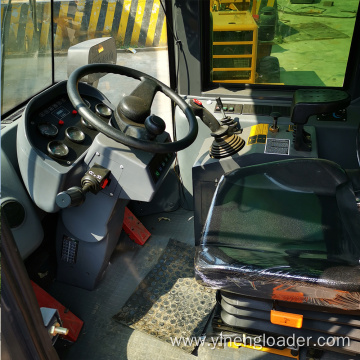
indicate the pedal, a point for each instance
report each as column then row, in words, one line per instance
column 134, row 228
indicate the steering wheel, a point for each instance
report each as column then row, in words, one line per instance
column 147, row 88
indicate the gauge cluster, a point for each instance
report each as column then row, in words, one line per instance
column 58, row 131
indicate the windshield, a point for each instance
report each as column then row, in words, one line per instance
column 138, row 27
column 26, row 63
column 281, row 42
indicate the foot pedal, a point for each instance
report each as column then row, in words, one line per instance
column 134, row 228
column 69, row 320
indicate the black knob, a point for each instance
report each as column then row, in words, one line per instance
column 154, row 126
column 275, row 115
column 71, row 197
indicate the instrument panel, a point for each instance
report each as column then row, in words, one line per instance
column 58, row 131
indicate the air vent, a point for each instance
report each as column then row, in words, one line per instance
column 15, row 213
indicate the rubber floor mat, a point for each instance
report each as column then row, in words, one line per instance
column 169, row 304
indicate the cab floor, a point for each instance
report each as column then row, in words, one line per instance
column 104, row 338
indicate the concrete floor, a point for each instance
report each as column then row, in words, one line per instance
column 320, row 61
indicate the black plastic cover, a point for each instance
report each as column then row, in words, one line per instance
column 287, row 230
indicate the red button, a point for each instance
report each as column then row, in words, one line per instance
column 74, row 112
column 197, row 102
column 104, row 183
column 61, row 122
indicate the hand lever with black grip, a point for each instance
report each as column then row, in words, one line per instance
column 94, row 180
column 206, row 116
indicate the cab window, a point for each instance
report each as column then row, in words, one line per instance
column 280, row 42
column 26, row 61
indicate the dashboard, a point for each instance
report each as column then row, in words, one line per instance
column 58, row 131
column 56, row 147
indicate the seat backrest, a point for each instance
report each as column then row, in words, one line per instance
column 293, row 203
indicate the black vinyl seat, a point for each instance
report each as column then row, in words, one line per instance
column 287, row 230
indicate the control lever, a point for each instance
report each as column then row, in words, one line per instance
column 221, row 107
column 206, row 116
column 274, row 128
column 227, row 120
column 223, row 130
column 94, row 180
column 226, row 142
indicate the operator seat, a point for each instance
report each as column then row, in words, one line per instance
column 285, row 232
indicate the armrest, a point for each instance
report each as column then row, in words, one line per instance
column 307, row 102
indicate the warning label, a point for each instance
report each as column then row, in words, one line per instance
column 258, row 134
column 277, row 146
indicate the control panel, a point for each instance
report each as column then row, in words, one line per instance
column 340, row 115
column 159, row 164
column 252, row 109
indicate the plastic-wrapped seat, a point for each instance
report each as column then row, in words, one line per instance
column 287, row 230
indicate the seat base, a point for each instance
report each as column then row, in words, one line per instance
column 239, row 316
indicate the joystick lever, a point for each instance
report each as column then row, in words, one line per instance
column 227, row 120
column 94, row 180
column 206, row 117
column 226, row 142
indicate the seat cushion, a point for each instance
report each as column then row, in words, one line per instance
column 269, row 236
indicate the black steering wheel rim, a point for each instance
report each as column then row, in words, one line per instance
column 118, row 135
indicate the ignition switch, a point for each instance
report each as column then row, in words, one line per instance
column 94, row 180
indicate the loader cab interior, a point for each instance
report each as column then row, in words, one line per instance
column 194, row 200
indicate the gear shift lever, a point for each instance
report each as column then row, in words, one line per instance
column 274, row 128
column 94, row 180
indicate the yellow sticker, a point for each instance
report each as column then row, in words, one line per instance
column 258, row 134
column 283, row 352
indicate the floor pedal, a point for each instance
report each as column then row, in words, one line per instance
column 134, row 228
